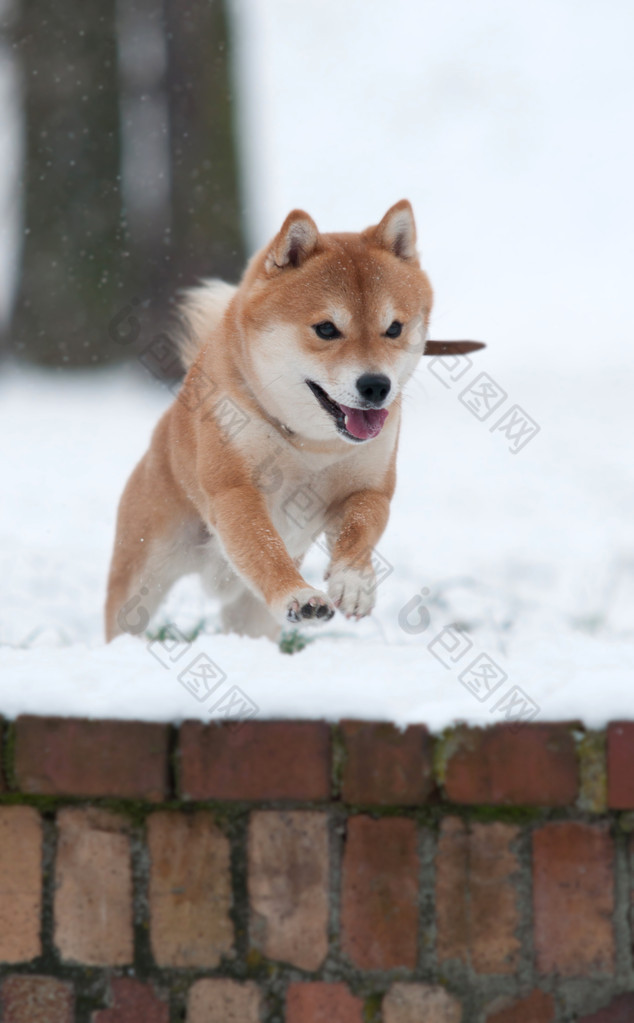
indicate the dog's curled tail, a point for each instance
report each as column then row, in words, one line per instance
column 201, row 311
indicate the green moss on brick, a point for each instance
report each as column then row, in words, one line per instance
column 179, row 985
column 8, row 755
column 339, row 755
column 372, row 1009
column 135, row 811
column 47, row 805
column 593, row 774
column 380, row 812
column 446, row 744
column 520, row 815
column 255, row 959
column 626, row 822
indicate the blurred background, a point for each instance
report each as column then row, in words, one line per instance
column 120, row 174
column 147, row 143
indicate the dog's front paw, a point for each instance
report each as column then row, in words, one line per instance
column 308, row 606
column 352, row 590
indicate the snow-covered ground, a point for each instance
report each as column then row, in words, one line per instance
column 531, row 554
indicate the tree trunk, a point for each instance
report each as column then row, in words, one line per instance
column 74, row 257
column 94, row 243
column 207, row 234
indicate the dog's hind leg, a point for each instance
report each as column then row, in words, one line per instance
column 156, row 543
column 247, row 615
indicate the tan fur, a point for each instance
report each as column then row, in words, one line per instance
column 224, row 501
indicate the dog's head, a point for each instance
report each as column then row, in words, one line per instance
column 334, row 324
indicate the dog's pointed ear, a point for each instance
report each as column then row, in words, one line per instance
column 397, row 231
column 294, row 244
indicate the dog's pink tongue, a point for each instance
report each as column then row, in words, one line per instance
column 364, row 423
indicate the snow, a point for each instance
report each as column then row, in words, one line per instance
column 530, row 554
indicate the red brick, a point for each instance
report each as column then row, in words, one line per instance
column 20, row 883
column 132, row 1002
column 573, row 898
column 223, row 1001
column 525, row 765
column 537, row 1008
column 76, row 757
column 289, row 886
column 385, row 765
column 621, row 1010
column 322, row 1003
column 260, row 760
column 93, row 889
column 477, row 913
column 621, row 765
column 190, row 890
column 32, row 999
column 420, row 1003
column 379, row 913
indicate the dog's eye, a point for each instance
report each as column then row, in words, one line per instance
column 394, row 329
column 326, row 330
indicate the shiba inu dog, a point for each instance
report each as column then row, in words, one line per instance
column 286, row 426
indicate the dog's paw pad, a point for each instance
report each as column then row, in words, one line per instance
column 315, row 608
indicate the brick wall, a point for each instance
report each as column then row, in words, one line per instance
column 294, row 872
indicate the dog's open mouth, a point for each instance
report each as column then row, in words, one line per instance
column 356, row 423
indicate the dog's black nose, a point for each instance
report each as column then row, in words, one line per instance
column 373, row 387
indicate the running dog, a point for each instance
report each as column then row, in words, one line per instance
column 286, row 426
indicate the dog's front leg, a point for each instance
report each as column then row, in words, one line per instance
column 355, row 527
column 257, row 552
